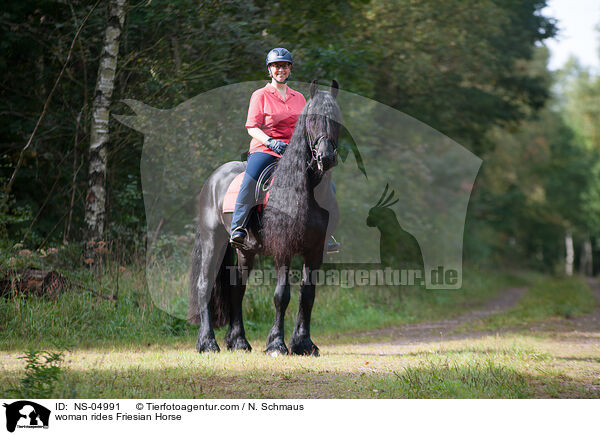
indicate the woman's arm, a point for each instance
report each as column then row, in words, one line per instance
column 258, row 134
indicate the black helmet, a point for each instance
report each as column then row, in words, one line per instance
column 279, row 55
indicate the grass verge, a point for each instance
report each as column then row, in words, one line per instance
column 79, row 320
column 550, row 298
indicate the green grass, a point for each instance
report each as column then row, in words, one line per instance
column 82, row 319
column 549, row 298
column 493, row 367
column 130, row 348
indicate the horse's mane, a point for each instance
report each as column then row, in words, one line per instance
column 286, row 215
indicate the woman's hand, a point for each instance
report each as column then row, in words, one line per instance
column 277, row 145
column 274, row 144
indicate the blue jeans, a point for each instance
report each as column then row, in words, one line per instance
column 257, row 162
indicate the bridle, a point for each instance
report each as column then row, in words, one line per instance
column 313, row 143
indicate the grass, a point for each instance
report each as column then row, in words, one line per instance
column 82, row 319
column 550, row 298
column 130, row 348
column 514, row 366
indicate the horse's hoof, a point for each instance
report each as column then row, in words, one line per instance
column 240, row 343
column 304, row 346
column 277, row 348
column 207, row 346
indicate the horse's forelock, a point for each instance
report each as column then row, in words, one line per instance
column 325, row 115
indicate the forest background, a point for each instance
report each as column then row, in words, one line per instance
column 476, row 70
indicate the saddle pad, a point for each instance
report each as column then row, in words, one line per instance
column 232, row 194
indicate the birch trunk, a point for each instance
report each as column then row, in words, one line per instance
column 570, row 254
column 95, row 203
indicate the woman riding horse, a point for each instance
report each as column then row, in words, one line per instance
column 301, row 213
column 272, row 116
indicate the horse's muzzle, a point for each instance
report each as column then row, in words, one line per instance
column 326, row 161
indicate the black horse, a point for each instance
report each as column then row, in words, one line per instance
column 300, row 215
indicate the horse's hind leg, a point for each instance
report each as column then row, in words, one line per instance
column 213, row 251
column 236, row 335
column 301, row 343
column 281, row 298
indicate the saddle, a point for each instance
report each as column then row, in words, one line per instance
column 261, row 192
column 253, row 222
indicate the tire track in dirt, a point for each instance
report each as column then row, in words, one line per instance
column 582, row 329
column 424, row 332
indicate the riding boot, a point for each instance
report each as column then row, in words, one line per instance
column 238, row 237
column 239, row 221
column 239, row 233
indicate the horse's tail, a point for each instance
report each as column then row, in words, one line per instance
column 220, row 295
column 220, row 301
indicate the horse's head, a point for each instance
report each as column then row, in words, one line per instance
column 381, row 213
column 323, row 121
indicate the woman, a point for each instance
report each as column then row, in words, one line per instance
column 272, row 116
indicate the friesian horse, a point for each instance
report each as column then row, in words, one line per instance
column 300, row 215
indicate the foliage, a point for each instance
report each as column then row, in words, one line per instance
column 42, row 373
column 582, row 114
column 470, row 68
column 458, row 65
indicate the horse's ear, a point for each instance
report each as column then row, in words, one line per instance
column 314, row 85
column 334, row 88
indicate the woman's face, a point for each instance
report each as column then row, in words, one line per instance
column 280, row 70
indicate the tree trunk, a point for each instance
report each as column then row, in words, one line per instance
column 570, row 254
column 585, row 266
column 95, row 203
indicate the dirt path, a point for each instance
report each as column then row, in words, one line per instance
column 427, row 332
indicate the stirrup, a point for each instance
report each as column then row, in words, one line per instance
column 333, row 246
column 237, row 241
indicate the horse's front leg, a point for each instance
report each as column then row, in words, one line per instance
column 301, row 343
column 281, row 299
column 236, row 335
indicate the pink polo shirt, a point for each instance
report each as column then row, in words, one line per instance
column 274, row 115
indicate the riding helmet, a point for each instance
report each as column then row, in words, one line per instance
column 279, row 55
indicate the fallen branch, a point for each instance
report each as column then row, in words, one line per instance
column 37, row 282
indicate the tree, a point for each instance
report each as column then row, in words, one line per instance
column 582, row 112
column 95, row 210
column 459, row 66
